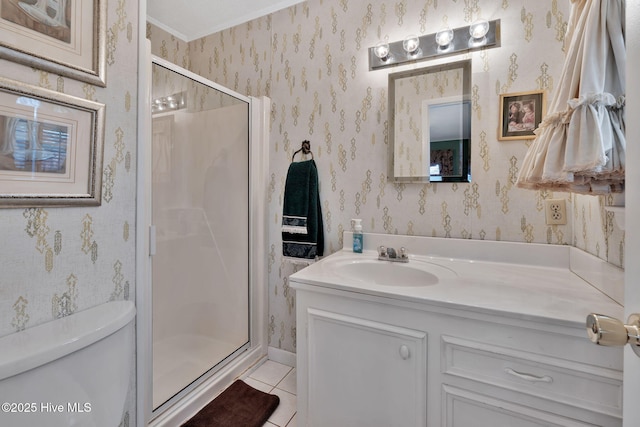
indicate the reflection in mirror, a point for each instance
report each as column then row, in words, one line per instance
column 430, row 124
column 446, row 125
column 33, row 146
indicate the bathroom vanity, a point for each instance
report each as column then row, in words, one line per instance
column 467, row 333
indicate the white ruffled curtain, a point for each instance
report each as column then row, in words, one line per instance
column 580, row 145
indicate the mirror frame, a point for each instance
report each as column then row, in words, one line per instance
column 465, row 175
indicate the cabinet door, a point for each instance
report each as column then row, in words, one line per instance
column 365, row 373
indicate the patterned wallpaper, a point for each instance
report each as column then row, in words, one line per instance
column 56, row 261
column 311, row 60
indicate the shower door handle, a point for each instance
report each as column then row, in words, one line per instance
column 152, row 240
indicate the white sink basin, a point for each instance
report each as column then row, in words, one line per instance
column 387, row 273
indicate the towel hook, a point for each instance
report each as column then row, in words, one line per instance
column 305, row 149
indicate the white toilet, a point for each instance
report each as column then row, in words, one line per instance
column 73, row 371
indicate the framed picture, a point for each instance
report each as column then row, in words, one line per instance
column 520, row 114
column 65, row 37
column 51, row 147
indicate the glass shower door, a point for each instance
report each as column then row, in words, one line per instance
column 200, row 210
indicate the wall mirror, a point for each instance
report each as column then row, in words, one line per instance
column 430, row 124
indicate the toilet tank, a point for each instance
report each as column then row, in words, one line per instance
column 73, row 371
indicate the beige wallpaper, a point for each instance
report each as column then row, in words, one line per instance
column 311, row 60
column 56, row 261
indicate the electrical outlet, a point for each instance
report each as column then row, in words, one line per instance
column 555, row 211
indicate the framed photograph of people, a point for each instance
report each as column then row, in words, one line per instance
column 520, row 114
column 51, row 147
column 64, row 37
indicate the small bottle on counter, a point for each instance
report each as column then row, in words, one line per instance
column 357, row 236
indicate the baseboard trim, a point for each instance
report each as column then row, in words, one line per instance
column 282, row 356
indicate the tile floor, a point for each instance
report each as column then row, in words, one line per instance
column 275, row 378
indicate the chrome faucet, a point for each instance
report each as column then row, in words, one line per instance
column 390, row 254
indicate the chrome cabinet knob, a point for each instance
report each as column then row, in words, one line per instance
column 605, row 330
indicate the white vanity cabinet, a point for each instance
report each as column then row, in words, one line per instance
column 367, row 360
column 364, row 372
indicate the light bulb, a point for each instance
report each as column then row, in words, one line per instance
column 411, row 44
column 444, row 37
column 381, row 50
column 479, row 29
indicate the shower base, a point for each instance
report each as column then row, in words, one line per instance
column 180, row 360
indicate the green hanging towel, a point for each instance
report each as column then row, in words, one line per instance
column 302, row 229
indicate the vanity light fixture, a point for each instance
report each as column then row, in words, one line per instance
column 479, row 29
column 381, row 50
column 482, row 34
column 411, row 44
column 444, row 37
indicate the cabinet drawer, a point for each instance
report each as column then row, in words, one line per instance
column 462, row 408
column 586, row 386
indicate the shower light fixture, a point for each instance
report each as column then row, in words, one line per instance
column 482, row 34
column 177, row 101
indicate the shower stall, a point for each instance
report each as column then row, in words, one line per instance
column 204, row 236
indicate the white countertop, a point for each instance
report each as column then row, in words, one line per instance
column 527, row 281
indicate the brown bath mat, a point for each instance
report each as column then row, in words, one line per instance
column 240, row 405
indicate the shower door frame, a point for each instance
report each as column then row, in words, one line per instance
column 166, row 393
column 199, row 394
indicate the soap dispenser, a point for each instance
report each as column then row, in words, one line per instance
column 357, row 236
